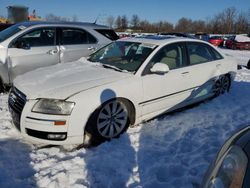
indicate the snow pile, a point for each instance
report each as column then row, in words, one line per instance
column 242, row 56
column 170, row 151
column 242, row 38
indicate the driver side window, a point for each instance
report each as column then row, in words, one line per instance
column 172, row 55
column 36, row 38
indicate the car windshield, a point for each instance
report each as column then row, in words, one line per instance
column 6, row 33
column 123, row 55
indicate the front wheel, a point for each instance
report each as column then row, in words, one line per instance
column 222, row 85
column 248, row 64
column 1, row 87
column 107, row 122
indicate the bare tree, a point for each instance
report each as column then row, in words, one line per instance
column 163, row 26
column 184, row 25
column 228, row 21
column 242, row 24
column 118, row 22
column 110, row 21
column 135, row 21
column 199, row 26
column 124, row 22
column 229, row 16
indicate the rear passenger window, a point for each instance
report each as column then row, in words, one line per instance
column 199, row 53
column 215, row 54
column 110, row 34
column 72, row 36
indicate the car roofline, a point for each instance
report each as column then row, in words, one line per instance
column 162, row 41
column 62, row 23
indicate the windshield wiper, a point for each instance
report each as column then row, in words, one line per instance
column 112, row 67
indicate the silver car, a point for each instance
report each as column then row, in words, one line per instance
column 30, row 45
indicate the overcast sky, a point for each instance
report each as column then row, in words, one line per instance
column 152, row 10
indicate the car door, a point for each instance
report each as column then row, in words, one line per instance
column 75, row 43
column 204, row 66
column 163, row 92
column 36, row 48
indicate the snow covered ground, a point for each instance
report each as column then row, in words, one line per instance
column 242, row 56
column 170, row 151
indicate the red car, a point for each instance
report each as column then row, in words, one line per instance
column 238, row 42
column 216, row 40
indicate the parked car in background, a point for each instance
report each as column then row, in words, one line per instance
column 178, row 35
column 240, row 42
column 123, row 83
column 29, row 45
column 202, row 36
column 231, row 168
column 4, row 26
column 216, row 40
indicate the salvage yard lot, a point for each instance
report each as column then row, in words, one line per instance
column 173, row 150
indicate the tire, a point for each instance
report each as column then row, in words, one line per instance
column 108, row 122
column 222, row 85
column 248, row 64
column 1, row 86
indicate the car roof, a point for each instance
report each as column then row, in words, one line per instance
column 81, row 24
column 159, row 39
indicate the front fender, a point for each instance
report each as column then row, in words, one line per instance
column 88, row 101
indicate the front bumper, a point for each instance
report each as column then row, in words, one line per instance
column 39, row 128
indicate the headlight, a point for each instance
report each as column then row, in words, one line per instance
column 231, row 169
column 53, row 106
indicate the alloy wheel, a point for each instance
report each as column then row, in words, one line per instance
column 221, row 86
column 112, row 119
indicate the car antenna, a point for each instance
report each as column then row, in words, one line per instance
column 97, row 17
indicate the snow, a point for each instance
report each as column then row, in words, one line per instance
column 242, row 38
column 242, row 56
column 173, row 150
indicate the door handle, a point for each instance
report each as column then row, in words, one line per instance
column 184, row 72
column 52, row 52
column 91, row 48
column 218, row 65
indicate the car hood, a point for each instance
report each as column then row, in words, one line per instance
column 64, row 80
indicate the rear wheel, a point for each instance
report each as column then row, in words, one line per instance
column 248, row 64
column 108, row 122
column 222, row 85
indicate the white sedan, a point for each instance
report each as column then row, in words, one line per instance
column 122, row 84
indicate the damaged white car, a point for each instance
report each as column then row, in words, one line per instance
column 122, row 84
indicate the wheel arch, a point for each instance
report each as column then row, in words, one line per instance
column 129, row 104
column 231, row 75
column 89, row 129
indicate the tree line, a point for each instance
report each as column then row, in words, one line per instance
column 229, row 21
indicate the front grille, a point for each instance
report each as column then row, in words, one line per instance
column 16, row 103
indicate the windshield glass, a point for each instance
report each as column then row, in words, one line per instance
column 123, row 55
column 6, row 33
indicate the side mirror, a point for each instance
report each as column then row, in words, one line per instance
column 160, row 68
column 22, row 45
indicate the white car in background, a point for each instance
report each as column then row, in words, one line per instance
column 30, row 45
column 122, row 84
